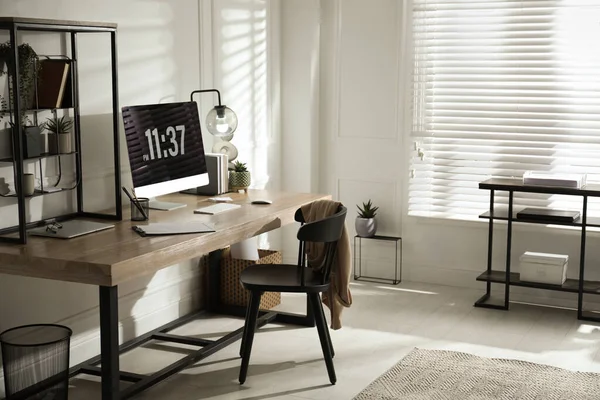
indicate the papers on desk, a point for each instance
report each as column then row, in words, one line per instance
column 217, row 208
column 172, row 228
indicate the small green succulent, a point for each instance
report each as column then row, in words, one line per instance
column 239, row 167
column 59, row 125
column 367, row 210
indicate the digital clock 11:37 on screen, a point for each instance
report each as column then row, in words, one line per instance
column 164, row 142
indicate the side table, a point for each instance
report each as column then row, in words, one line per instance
column 397, row 263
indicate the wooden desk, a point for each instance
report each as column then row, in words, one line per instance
column 113, row 256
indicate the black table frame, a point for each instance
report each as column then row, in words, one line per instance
column 506, row 277
column 110, row 350
column 358, row 260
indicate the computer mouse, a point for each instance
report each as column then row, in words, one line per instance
column 262, row 201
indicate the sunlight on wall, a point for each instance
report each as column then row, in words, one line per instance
column 243, row 69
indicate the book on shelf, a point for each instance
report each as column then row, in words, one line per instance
column 52, row 83
column 548, row 214
column 67, row 100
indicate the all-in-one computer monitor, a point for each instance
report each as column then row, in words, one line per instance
column 166, row 153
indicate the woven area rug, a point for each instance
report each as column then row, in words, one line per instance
column 449, row 375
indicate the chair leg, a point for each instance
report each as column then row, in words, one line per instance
column 249, row 333
column 326, row 328
column 245, row 327
column 322, row 329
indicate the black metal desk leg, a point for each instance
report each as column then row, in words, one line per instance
column 582, row 259
column 109, row 341
column 214, row 280
column 508, row 248
column 490, row 243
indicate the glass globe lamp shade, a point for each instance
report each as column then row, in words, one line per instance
column 221, row 121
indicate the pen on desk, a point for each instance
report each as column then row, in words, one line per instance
column 135, row 202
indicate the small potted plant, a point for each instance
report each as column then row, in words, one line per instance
column 366, row 224
column 59, row 135
column 239, row 177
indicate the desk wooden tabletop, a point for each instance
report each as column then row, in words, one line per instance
column 110, row 257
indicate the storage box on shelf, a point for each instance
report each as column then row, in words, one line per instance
column 509, row 214
column 544, row 268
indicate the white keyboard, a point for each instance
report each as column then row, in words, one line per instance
column 216, row 208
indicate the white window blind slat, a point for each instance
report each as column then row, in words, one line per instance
column 501, row 87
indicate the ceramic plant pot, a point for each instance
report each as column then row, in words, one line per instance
column 64, row 143
column 239, row 180
column 365, row 227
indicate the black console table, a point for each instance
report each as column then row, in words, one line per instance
column 508, row 278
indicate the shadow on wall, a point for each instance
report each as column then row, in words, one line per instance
column 242, row 64
column 243, row 60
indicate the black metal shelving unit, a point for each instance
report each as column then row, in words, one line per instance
column 72, row 29
column 509, row 214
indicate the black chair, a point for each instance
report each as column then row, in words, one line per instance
column 298, row 278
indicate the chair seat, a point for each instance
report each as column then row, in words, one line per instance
column 281, row 278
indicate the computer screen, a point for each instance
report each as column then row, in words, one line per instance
column 164, row 142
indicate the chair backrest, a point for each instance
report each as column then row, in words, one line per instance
column 326, row 232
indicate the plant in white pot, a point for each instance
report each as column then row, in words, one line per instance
column 239, row 178
column 366, row 224
column 59, row 135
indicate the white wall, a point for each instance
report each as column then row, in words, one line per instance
column 166, row 50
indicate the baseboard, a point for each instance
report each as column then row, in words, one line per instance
column 440, row 276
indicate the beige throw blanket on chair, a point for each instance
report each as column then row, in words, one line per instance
column 338, row 296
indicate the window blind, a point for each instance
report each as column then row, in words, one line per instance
column 501, row 87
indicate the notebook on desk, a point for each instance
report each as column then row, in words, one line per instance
column 217, row 208
column 172, row 228
column 69, row 229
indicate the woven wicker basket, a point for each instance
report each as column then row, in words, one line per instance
column 232, row 292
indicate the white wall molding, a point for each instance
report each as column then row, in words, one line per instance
column 395, row 136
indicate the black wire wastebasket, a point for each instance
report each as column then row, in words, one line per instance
column 36, row 357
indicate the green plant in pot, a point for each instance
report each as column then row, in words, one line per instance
column 59, row 134
column 29, row 68
column 366, row 224
column 239, row 177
